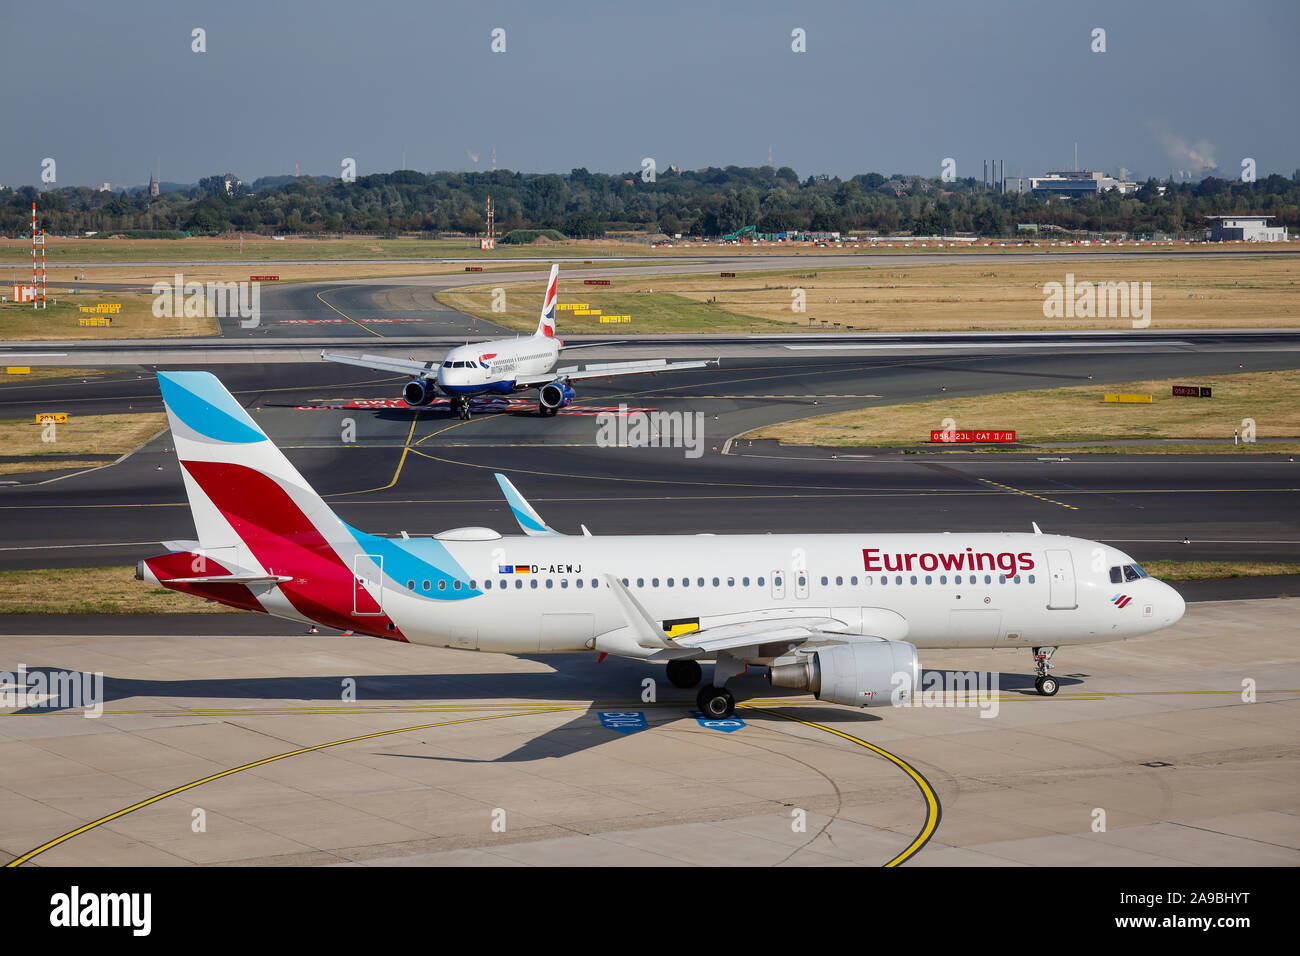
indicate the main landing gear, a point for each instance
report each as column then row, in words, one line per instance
column 460, row 407
column 715, row 703
column 714, row 700
column 1044, row 684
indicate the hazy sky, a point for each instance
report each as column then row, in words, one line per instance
column 105, row 88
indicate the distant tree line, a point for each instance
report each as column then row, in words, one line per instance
column 582, row 204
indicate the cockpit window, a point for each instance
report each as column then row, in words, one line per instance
column 1116, row 575
column 1132, row 572
column 446, row 365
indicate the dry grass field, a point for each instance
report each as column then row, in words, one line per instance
column 1185, row 292
column 1271, row 399
column 80, row 435
column 92, row 591
column 20, row 322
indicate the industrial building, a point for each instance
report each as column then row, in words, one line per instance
column 1080, row 182
column 1247, row 228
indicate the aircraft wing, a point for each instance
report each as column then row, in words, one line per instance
column 610, row 369
column 385, row 364
column 798, row 630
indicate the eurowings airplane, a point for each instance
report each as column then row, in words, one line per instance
column 840, row 615
column 505, row 366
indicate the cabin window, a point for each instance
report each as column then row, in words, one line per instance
column 564, row 583
column 943, row 579
column 625, row 582
column 715, row 582
column 884, row 579
column 533, row 584
column 578, row 582
column 760, row 582
column 988, row 579
column 410, row 585
column 426, row 585
column 640, row 582
column 854, row 580
column 654, row 582
column 744, row 582
column 838, row 580
column 686, row 582
column 455, row 585
column 519, row 582
column 898, row 579
column 928, row 579
column 914, row 579
column 550, row 583
column 731, row 582
column 670, row 582
column 1031, row 579
column 825, row 580
column 1016, row 579
column 1002, row 579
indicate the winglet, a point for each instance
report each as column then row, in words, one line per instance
column 1037, row 530
column 645, row 631
column 529, row 520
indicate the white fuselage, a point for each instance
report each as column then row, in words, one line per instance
column 494, row 365
column 933, row 590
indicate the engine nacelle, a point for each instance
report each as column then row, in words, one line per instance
column 868, row 674
column 557, row 394
column 419, row 391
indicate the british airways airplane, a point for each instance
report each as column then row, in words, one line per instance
column 505, row 366
column 839, row 615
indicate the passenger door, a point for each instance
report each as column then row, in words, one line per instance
column 1060, row 569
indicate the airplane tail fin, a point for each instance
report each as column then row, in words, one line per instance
column 238, row 483
column 266, row 539
column 546, row 324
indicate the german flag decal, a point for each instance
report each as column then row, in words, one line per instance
column 681, row 625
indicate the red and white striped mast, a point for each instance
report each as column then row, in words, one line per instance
column 34, row 254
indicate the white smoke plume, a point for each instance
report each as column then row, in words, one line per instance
column 1190, row 157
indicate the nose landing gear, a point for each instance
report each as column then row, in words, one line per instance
column 1044, row 684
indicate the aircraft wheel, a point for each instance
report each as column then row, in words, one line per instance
column 715, row 703
column 685, row 674
column 1046, row 686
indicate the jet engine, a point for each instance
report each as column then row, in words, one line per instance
column 868, row 674
column 419, row 391
column 556, row 395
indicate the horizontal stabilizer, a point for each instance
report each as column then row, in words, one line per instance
column 234, row 579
